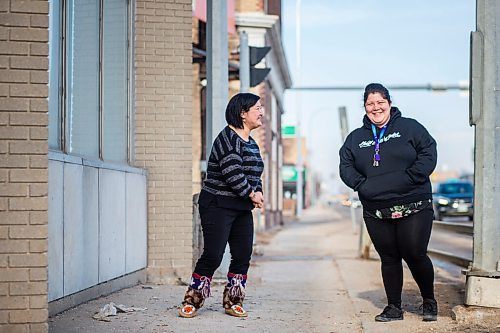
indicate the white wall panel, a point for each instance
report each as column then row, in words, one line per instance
column 97, row 225
column 111, row 224
column 80, row 227
column 55, row 237
column 136, row 231
column 91, row 226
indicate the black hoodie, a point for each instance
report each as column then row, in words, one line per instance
column 407, row 158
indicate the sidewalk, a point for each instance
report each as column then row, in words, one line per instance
column 308, row 279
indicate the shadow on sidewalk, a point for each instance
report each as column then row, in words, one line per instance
column 448, row 292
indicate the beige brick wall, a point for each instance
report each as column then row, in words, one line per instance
column 197, row 130
column 196, row 114
column 163, row 135
column 23, row 165
column 249, row 6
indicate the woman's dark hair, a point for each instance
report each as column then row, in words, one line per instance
column 241, row 102
column 373, row 88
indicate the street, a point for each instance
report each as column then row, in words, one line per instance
column 305, row 277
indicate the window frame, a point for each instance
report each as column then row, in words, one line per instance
column 62, row 106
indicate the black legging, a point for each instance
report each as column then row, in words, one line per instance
column 220, row 227
column 405, row 238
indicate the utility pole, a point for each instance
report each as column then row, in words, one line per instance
column 217, row 65
column 217, row 86
column 300, row 163
column 344, row 131
column 364, row 239
column 483, row 276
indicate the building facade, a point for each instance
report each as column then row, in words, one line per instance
column 95, row 151
column 261, row 21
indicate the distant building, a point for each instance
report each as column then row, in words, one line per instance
column 289, row 171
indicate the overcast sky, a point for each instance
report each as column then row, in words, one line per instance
column 394, row 42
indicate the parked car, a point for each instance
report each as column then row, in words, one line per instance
column 454, row 198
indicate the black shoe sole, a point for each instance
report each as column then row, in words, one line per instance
column 430, row 318
column 386, row 319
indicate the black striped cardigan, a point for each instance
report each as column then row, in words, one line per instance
column 234, row 170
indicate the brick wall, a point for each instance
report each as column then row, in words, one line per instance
column 242, row 6
column 197, row 130
column 23, row 165
column 163, row 135
column 196, row 114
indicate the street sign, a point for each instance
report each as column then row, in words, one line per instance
column 289, row 173
column 288, row 131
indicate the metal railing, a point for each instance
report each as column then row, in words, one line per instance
column 462, row 228
column 465, row 229
column 449, row 257
column 457, row 227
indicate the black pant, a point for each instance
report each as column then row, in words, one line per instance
column 220, row 226
column 405, row 238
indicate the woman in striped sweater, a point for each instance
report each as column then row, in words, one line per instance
column 232, row 188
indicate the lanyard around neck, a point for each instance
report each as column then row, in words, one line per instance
column 376, row 156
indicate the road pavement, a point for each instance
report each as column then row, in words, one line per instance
column 305, row 277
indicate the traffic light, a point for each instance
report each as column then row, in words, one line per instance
column 257, row 75
column 249, row 57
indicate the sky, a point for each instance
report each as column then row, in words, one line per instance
column 393, row 42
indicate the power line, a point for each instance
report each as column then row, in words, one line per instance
column 429, row 87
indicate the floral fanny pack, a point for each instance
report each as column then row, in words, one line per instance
column 397, row 212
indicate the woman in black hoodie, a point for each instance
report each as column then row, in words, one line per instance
column 388, row 161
